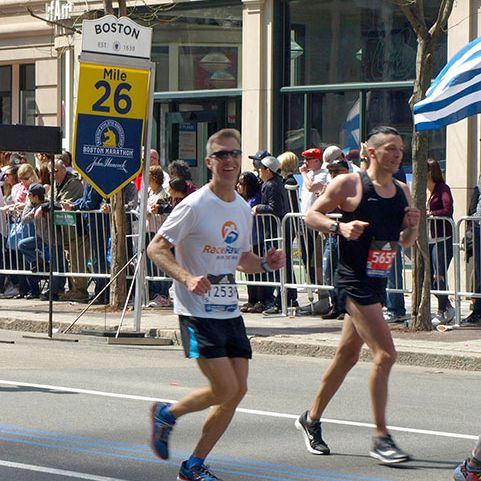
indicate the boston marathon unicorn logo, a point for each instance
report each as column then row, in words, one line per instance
column 110, row 134
column 230, row 232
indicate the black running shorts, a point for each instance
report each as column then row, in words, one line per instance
column 212, row 338
column 364, row 291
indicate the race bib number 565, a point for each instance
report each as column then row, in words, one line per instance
column 380, row 258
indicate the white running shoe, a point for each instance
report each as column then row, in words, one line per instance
column 438, row 319
column 449, row 314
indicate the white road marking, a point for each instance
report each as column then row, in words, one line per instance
column 58, row 472
column 241, row 410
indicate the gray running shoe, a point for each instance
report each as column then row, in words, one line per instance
column 384, row 448
column 312, row 433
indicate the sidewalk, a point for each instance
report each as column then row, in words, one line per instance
column 299, row 336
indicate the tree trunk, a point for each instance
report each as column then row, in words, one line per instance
column 108, row 7
column 118, row 289
column 421, row 296
column 122, row 8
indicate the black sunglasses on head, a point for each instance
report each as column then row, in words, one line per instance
column 224, row 154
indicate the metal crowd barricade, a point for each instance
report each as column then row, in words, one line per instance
column 82, row 244
column 266, row 233
column 82, row 240
column 312, row 255
column 468, row 240
column 442, row 249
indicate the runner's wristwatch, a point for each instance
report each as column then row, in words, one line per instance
column 334, row 228
column 265, row 265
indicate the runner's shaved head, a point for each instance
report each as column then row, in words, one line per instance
column 375, row 136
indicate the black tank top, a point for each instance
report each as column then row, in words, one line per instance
column 385, row 216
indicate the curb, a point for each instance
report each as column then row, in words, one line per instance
column 406, row 357
column 322, row 349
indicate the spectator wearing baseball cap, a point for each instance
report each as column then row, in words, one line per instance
column 258, row 156
column 273, row 201
column 331, row 153
column 338, row 166
column 268, row 162
column 314, row 177
column 334, row 152
column 37, row 189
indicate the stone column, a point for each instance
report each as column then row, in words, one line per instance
column 257, row 70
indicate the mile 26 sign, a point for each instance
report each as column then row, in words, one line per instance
column 112, row 102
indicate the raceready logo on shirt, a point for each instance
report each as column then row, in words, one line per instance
column 229, row 233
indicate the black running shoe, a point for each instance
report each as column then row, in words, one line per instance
column 312, row 433
column 384, row 448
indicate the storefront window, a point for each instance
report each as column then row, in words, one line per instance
column 198, row 49
column 5, row 94
column 28, row 108
column 208, row 68
column 337, row 41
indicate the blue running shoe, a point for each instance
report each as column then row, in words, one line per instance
column 161, row 430
column 464, row 473
column 196, row 473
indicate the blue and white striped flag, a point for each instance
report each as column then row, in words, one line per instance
column 455, row 93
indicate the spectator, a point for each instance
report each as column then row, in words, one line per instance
column 33, row 248
column 156, row 207
column 274, row 201
column 258, row 297
column 314, row 181
column 257, row 157
column 396, row 308
column 179, row 171
column 10, row 178
column 69, row 188
column 473, row 249
column 66, row 158
column 26, row 176
column 440, row 204
column 153, row 161
column 289, row 163
column 99, row 231
column 331, row 248
column 333, row 152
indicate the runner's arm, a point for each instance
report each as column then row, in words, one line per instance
column 336, row 193
column 159, row 250
column 251, row 263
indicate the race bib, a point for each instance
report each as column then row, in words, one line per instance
column 380, row 258
column 222, row 296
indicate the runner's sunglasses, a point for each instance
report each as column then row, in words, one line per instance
column 223, row 154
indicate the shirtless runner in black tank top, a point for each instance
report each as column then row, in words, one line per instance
column 368, row 243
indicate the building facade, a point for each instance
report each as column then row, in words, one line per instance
column 289, row 74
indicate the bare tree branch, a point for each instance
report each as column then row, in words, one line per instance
column 58, row 23
column 415, row 16
column 444, row 12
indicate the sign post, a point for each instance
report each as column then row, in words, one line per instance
column 114, row 106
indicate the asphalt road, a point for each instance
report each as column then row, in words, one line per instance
column 80, row 411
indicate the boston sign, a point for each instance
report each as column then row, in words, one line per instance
column 112, row 103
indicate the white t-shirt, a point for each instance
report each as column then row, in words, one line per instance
column 308, row 198
column 209, row 236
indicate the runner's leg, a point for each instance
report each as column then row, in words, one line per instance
column 369, row 323
column 346, row 357
column 228, row 385
column 221, row 415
